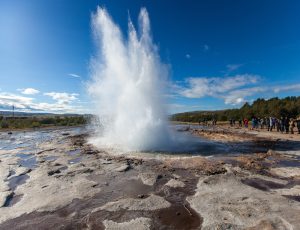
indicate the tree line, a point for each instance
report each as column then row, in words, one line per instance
column 41, row 121
column 275, row 107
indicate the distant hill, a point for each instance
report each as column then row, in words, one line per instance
column 23, row 120
column 32, row 114
column 289, row 106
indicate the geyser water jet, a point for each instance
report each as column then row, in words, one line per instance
column 127, row 86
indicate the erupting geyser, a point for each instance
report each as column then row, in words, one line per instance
column 127, row 84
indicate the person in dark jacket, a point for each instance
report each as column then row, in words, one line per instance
column 286, row 124
column 282, row 121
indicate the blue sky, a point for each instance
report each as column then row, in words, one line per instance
column 220, row 53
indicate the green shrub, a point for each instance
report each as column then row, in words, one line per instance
column 4, row 125
column 35, row 124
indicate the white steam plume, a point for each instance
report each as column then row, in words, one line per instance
column 127, row 84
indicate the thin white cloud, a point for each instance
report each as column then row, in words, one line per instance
column 62, row 98
column 7, row 100
column 233, row 67
column 239, row 96
column 205, row 47
column 295, row 87
column 74, row 75
column 203, row 86
column 29, row 91
column 234, row 90
column 27, row 104
column 188, row 56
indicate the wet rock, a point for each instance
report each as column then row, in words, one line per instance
column 149, row 178
column 175, row 183
column 60, row 192
column 286, row 172
column 159, row 177
column 294, row 191
column 140, row 223
column 222, row 196
column 175, row 176
column 52, row 172
column 106, row 162
column 272, row 224
column 45, row 150
column 264, row 185
column 200, row 164
column 22, row 171
column 153, row 202
column 88, row 170
column 4, row 196
column 89, row 152
column 123, row 168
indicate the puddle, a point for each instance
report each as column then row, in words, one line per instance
column 115, row 187
column 12, row 200
column 15, row 181
column 74, row 152
column 29, row 162
column 296, row 198
column 179, row 217
column 51, row 158
column 23, row 156
column 75, row 160
column 289, row 163
column 11, row 173
column 263, row 185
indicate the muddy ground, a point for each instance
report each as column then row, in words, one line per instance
column 66, row 183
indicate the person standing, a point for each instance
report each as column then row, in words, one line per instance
column 271, row 123
column 261, row 121
column 298, row 124
column 292, row 125
column 267, row 123
column 246, row 122
column 286, row 125
column 282, row 121
column 277, row 122
column 253, row 123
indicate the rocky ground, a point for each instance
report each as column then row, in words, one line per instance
column 66, row 183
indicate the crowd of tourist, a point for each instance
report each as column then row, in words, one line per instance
column 282, row 124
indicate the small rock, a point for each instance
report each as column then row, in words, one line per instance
column 141, row 196
column 123, row 168
column 89, row 152
column 106, row 162
column 88, row 170
column 52, row 172
column 159, row 177
column 175, row 183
